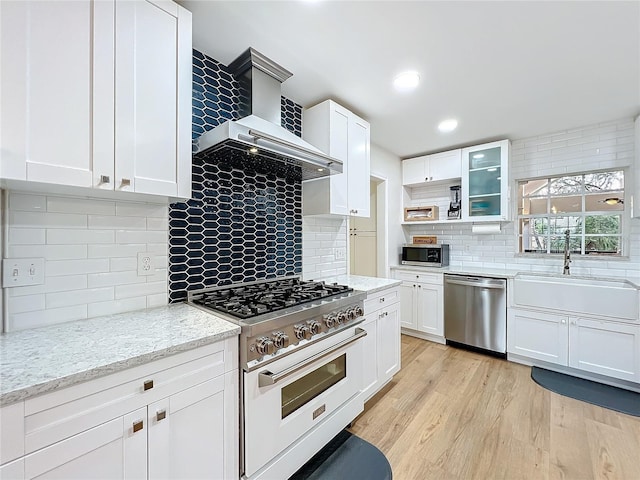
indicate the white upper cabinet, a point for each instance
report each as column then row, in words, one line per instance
column 345, row 136
column 432, row 168
column 97, row 94
column 485, row 182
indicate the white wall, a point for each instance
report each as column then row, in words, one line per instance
column 595, row 147
column 90, row 249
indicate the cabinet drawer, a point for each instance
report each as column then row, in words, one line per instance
column 381, row 299
column 58, row 415
column 11, row 432
column 418, row 276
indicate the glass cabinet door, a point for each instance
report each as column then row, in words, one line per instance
column 485, row 181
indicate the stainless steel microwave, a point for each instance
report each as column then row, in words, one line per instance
column 425, row 255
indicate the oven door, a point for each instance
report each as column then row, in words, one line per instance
column 287, row 399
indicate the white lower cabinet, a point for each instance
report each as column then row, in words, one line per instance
column 421, row 297
column 599, row 346
column 543, row 336
column 382, row 343
column 607, row 348
column 178, row 419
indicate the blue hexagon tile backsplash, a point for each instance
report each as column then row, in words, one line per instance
column 244, row 221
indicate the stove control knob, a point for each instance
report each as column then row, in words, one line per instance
column 302, row 332
column 342, row 317
column 280, row 340
column 314, row 326
column 359, row 311
column 330, row 320
column 265, row 346
column 351, row 313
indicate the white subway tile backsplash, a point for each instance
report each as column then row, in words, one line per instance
column 64, row 236
column 133, row 236
column 113, row 222
column 141, row 289
column 113, row 279
column 80, row 205
column 41, row 318
column 141, row 210
column 79, row 297
column 26, row 236
column 57, row 268
column 26, row 303
column 90, row 248
column 123, row 264
column 116, row 306
column 47, row 220
column 26, row 203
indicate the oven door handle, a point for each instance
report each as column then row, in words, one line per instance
column 267, row 378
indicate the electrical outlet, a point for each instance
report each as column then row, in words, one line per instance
column 340, row 253
column 18, row 272
column 145, row 264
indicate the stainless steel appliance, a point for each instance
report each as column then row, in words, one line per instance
column 258, row 134
column 301, row 358
column 455, row 206
column 425, row 255
column 475, row 312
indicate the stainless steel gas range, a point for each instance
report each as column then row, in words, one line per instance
column 301, row 357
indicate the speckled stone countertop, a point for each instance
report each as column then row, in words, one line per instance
column 40, row 360
column 490, row 272
column 366, row 284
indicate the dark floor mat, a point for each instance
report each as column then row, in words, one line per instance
column 599, row 394
column 346, row 457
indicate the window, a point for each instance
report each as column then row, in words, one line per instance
column 589, row 205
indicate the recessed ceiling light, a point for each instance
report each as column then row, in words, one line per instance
column 478, row 155
column 448, row 125
column 321, row 169
column 406, row 81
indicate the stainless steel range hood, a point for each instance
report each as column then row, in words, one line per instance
column 258, row 135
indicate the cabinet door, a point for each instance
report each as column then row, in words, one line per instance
column 339, row 148
column 371, row 356
column 388, row 342
column 606, row 348
column 56, row 90
column 413, row 171
column 193, row 434
column 538, row 335
column 429, row 309
column 445, row 165
column 408, row 293
column 363, row 253
column 146, row 101
column 358, row 167
column 485, row 181
column 110, row 451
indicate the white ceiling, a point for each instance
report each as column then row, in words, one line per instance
column 503, row 69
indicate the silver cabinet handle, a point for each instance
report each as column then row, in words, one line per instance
column 381, row 299
column 148, row 385
column 267, row 378
column 161, row 415
column 137, row 426
column 105, row 179
column 125, row 182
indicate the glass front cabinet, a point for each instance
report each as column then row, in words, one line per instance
column 485, row 182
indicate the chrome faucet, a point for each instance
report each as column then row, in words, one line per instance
column 567, row 253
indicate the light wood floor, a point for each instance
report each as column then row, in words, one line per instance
column 453, row 414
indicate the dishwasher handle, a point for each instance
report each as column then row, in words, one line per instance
column 477, row 282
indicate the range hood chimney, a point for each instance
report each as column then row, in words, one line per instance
column 258, row 135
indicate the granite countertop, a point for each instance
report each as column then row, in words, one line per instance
column 40, row 360
column 489, row 272
column 365, row 284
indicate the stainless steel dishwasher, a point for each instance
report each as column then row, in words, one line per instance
column 475, row 312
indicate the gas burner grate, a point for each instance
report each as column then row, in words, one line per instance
column 246, row 301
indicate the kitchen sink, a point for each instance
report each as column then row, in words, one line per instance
column 610, row 297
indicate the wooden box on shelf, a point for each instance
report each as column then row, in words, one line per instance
column 421, row 214
column 424, row 240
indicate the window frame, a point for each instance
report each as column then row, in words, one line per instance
column 582, row 213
